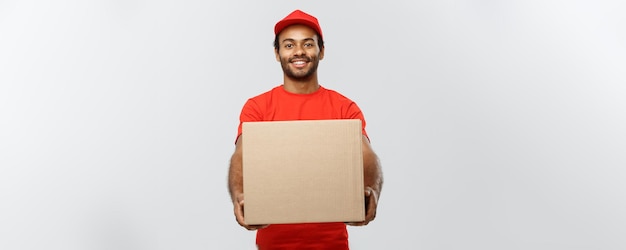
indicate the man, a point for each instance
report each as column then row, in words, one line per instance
column 299, row 47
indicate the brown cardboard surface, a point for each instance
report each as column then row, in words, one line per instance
column 303, row 171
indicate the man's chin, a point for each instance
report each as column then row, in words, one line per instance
column 299, row 75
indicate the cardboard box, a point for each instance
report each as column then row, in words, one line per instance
column 303, row 171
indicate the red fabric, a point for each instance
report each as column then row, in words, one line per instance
column 298, row 17
column 310, row 236
column 280, row 105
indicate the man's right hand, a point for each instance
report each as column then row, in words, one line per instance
column 238, row 206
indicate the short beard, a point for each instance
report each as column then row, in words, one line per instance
column 284, row 63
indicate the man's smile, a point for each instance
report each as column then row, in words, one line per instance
column 300, row 62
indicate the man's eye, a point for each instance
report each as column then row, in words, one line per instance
column 308, row 44
column 288, row 45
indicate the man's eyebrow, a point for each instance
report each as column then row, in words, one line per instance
column 293, row 40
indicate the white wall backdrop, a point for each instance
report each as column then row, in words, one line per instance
column 500, row 124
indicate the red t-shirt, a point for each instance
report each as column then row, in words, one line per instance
column 280, row 105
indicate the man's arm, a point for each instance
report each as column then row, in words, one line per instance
column 235, row 172
column 373, row 181
column 235, row 185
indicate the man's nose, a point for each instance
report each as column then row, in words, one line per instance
column 299, row 51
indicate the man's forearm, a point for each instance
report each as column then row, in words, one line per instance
column 372, row 170
column 235, row 185
column 235, row 173
column 372, row 173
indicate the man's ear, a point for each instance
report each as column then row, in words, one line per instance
column 321, row 54
column 276, row 54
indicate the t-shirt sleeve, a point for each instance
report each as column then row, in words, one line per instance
column 354, row 112
column 249, row 113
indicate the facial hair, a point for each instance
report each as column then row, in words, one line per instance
column 299, row 74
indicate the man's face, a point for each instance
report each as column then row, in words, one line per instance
column 298, row 51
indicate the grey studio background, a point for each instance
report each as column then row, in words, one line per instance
column 500, row 124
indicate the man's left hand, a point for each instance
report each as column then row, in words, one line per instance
column 371, row 202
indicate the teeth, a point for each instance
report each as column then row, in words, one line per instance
column 299, row 63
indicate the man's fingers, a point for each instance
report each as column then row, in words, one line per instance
column 239, row 216
column 370, row 205
column 370, row 208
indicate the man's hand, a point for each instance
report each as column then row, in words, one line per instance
column 238, row 206
column 371, row 202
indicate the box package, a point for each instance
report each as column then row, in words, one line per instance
column 303, row 171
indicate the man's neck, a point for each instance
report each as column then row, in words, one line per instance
column 305, row 86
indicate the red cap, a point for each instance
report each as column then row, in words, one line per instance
column 298, row 17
